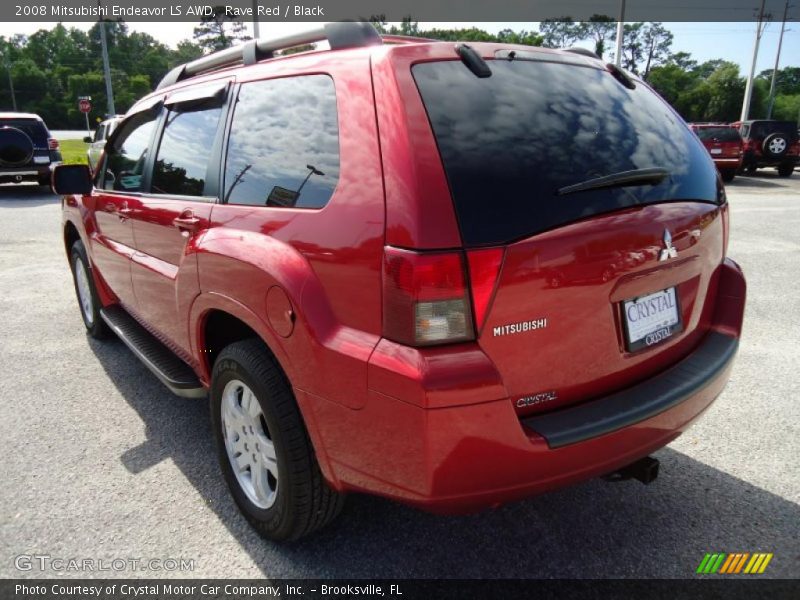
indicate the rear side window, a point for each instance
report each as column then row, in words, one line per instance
column 183, row 155
column 283, row 149
column 510, row 141
column 718, row 134
column 125, row 162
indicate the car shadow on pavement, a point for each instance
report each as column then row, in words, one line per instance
column 766, row 179
column 592, row 530
column 24, row 194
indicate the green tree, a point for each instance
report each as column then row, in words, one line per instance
column 787, row 107
column 726, row 92
column 787, row 80
column 186, row 51
column 560, row 33
column 682, row 60
column 600, row 29
column 219, row 31
column 645, row 45
column 672, row 82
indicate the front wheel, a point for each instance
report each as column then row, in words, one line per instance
column 264, row 450
column 87, row 293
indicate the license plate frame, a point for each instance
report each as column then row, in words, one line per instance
column 664, row 326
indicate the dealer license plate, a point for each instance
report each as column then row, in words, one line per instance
column 651, row 319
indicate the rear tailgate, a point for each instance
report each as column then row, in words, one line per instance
column 721, row 142
column 572, row 282
column 557, row 329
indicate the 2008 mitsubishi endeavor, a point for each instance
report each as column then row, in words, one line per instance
column 389, row 271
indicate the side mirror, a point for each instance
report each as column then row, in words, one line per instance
column 72, row 179
column 87, row 139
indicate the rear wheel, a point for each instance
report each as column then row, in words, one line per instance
column 785, row 170
column 751, row 169
column 264, row 450
column 88, row 300
column 728, row 175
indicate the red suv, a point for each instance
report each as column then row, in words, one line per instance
column 351, row 252
column 724, row 144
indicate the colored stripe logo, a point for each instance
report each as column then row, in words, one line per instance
column 733, row 564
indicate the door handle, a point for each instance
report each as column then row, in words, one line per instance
column 187, row 221
column 124, row 212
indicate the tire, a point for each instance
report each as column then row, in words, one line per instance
column 775, row 145
column 751, row 169
column 16, row 148
column 86, row 292
column 785, row 170
column 728, row 175
column 280, row 491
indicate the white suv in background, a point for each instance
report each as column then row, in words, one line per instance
column 98, row 143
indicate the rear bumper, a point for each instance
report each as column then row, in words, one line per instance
column 728, row 163
column 480, row 454
column 26, row 173
column 676, row 385
column 765, row 161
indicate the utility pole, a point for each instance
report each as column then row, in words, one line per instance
column 620, row 32
column 255, row 20
column 11, row 86
column 777, row 61
column 106, row 66
column 7, row 65
column 748, row 90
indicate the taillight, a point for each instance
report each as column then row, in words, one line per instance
column 425, row 298
column 484, row 267
column 52, row 143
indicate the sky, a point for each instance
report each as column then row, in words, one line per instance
column 704, row 41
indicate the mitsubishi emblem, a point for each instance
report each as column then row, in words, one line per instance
column 669, row 250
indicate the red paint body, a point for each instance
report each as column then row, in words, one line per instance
column 434, row 426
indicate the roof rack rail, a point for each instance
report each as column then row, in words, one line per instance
column 391, row 38
column 348, row 34
column 583, row 52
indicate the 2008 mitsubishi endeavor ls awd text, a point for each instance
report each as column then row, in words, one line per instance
column 451, row 275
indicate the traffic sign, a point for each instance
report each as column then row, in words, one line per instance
column 84, row 105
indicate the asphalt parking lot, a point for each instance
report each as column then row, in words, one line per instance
column 100, row 461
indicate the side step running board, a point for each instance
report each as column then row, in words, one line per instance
column 171, row 370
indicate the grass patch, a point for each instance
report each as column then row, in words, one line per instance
column 73, row 151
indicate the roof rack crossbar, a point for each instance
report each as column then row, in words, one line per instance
column 339, row 35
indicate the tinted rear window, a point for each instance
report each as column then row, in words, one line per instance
column 35, row 129
column 510, row 141
column 718, row 134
